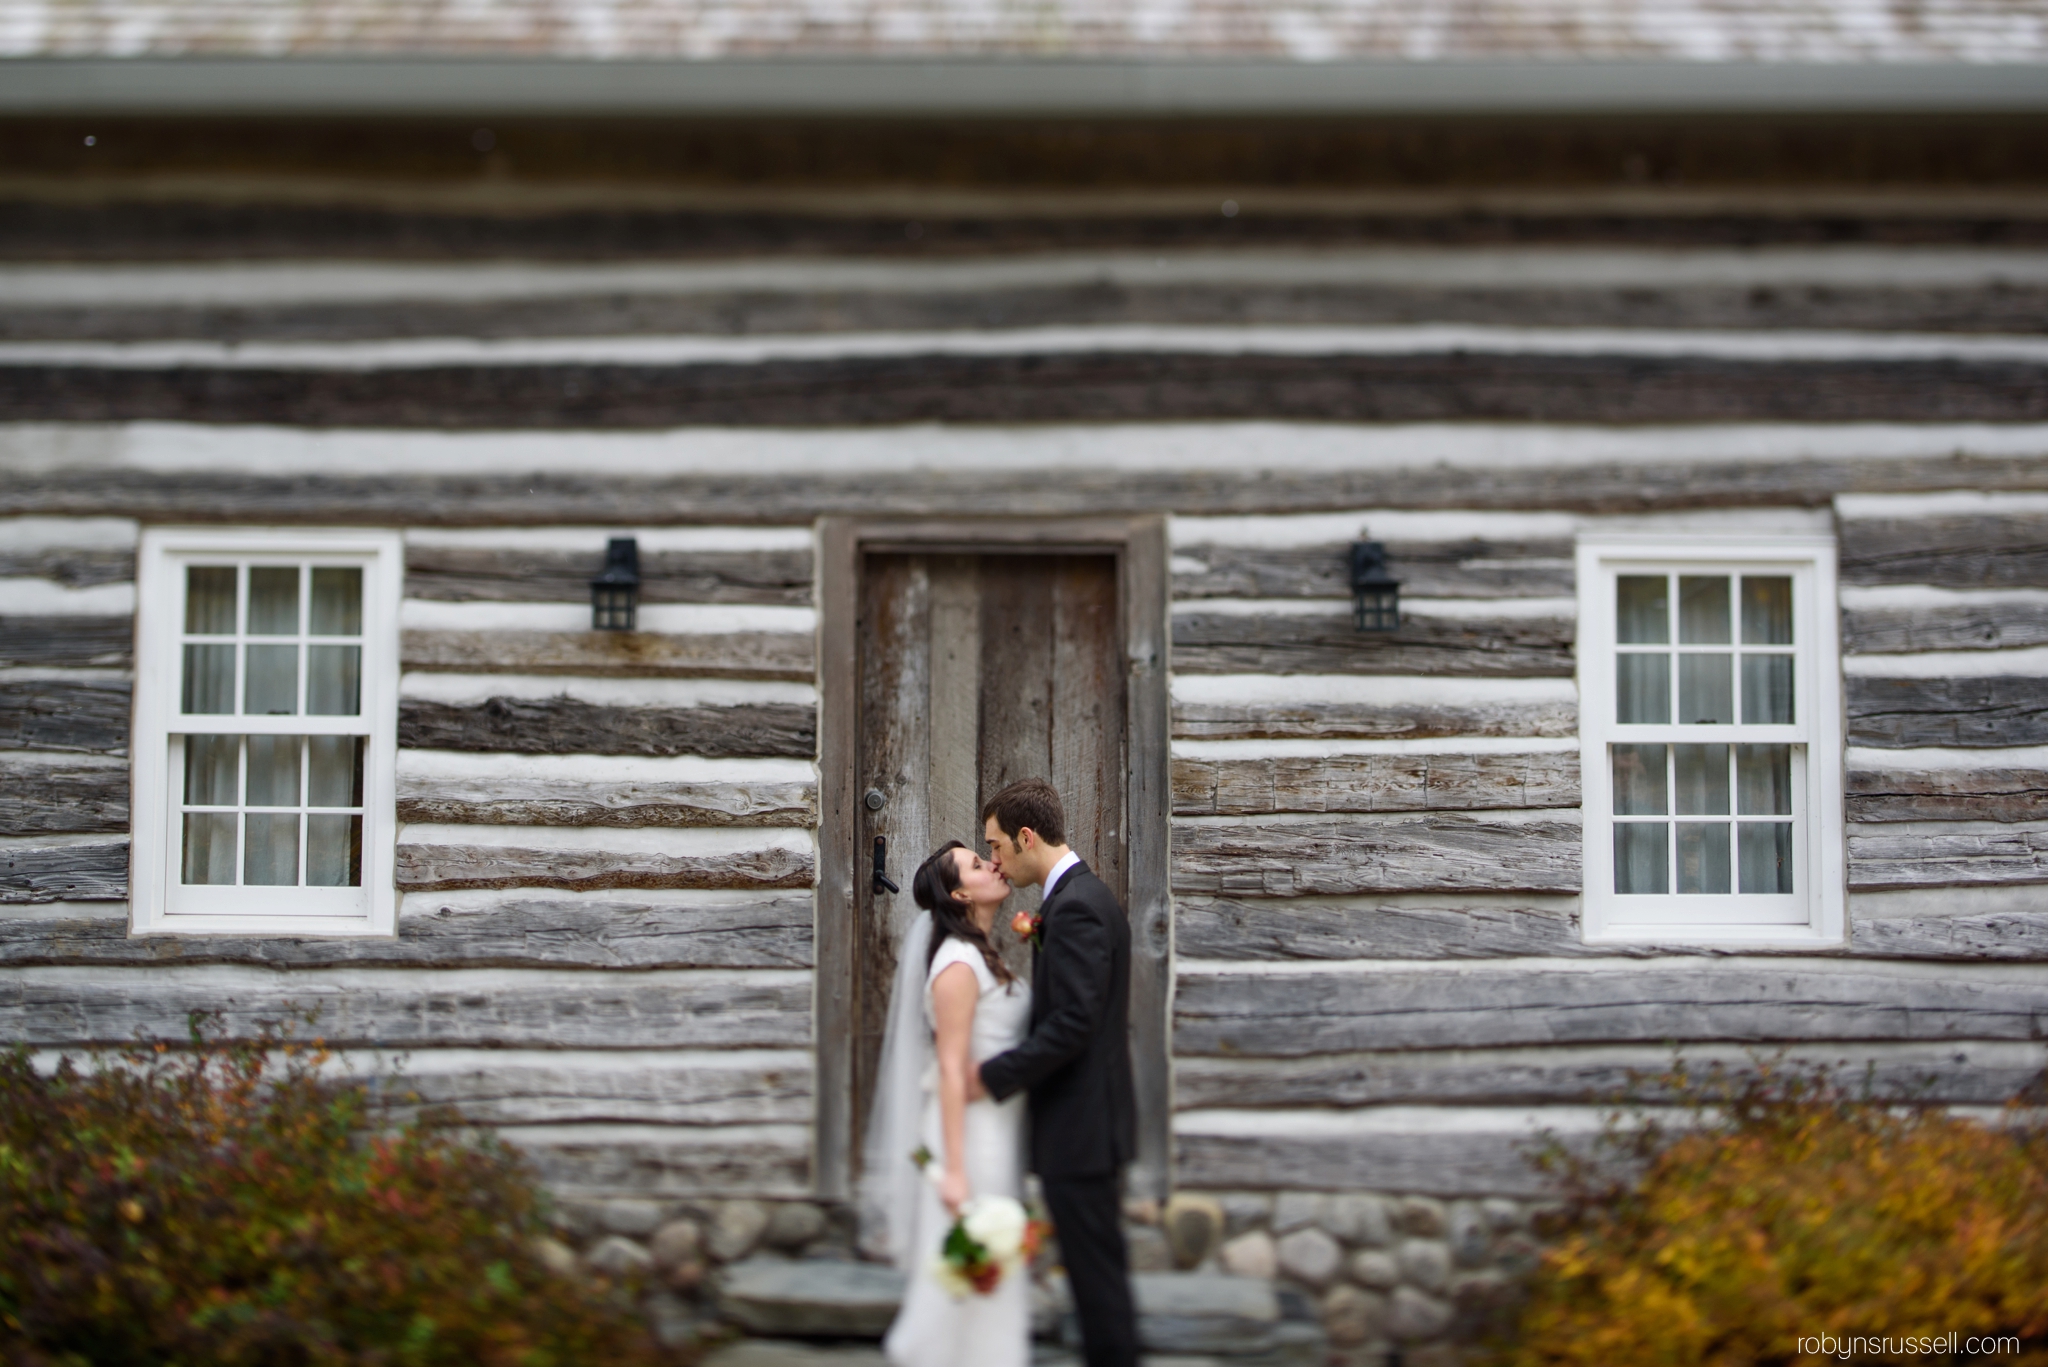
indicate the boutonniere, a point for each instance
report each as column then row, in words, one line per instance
column 1029, row 927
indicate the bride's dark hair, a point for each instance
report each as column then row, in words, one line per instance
column 932, row 887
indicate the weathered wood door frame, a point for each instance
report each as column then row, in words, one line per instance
column 1140, row 547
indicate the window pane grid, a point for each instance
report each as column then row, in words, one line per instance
column 291, row 804
column 1704, row 650
column 1684, row 846
column 268, row 639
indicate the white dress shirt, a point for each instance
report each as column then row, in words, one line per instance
column 1059, row 871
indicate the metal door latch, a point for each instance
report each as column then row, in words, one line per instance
column 882, row 883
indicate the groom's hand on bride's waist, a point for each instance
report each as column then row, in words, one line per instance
column 975, row 1090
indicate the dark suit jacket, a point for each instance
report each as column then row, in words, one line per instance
column 1076, row 1062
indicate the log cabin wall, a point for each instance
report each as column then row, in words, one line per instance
column 605, row 941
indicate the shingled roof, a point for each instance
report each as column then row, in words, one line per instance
column 1306, row 31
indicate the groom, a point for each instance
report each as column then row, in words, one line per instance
column 1076, row 1062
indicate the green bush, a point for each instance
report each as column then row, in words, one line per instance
column 227, row 1203
column 1789, row 1209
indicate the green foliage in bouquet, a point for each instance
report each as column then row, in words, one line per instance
column 233, row 1204
column 1787, row 1209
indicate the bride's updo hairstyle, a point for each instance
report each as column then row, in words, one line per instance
column 932, row 888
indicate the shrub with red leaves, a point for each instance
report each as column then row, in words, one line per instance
column 231, row 1203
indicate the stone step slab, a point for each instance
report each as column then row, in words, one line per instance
column 1211, row 1315
column 792, row 1353
column 1196, row 1315
column 777, row 1298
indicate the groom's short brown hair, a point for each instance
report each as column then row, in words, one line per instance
column 1029, row 802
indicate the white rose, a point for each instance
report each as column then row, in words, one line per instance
column 997, row 1223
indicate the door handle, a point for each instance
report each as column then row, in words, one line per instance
column 882, row 883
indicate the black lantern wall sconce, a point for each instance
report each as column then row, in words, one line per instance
column 1375, row 594
column 615, row 593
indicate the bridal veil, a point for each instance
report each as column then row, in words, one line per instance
column 890, row 1183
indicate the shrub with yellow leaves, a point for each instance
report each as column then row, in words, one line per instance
column 1787, row 1215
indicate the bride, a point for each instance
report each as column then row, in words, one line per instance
column 955, row 1005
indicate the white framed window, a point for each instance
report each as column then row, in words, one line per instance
column 1710, row 739
column 266, row 731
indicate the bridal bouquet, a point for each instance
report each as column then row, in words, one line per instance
column 991, row 1238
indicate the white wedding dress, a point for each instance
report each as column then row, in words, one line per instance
column 933, row 1329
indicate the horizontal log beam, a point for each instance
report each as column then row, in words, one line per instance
column 2007, row 306
column 65, row 714
column 396, row 1008
column 738, row 655
column 532, row 931
column 1288, row 643
column 66, row 642
column 1965, row 626
column 1948, row 552
column 1956, row 1074
column 1428, row 1163
column 130, row 228
column 1968, row 712
column 1219, row 928
column 1105, row 386
column 689, row 1165
column 1293, row 1015
column 566, row 726
column 553, row 497
column 1368, row 721
column 467, row 574
column 1474, row 568
column 1916, row 856
column 441, row 867
column 1374, row 783
column 63, row 873
column 1947, row 794
column 1995, row 935
column 62, row 794
column 1376, row 853
column 546, row 800
column 697, row 1089
column 79, row 568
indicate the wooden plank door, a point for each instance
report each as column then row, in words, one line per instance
column 975, row 671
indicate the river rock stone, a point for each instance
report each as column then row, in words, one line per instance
column 1352, row 1316
column 678, row 1249
column 636, row 1219
column 1147, row 1249
column 1421, row 1216
column 778, row 1298
column 1412, row 1315
column 1310, row 1257
column 794, row 1224
column 1193, row 1226
column 1503, row 1214
column 618, row 1256
column 1359, row 1217
column 1252, row 1255
column 1471, row 1238
column 1425, row 1263
column 1296, row 1209
column 1244, row 1211
column 1375, row 1268
column 556, row 1256
column 737, row 1229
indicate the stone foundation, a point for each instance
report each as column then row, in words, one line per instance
column 1386, row 1274
column 1423, row 1278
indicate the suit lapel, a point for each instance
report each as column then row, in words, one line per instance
column 1045, row 910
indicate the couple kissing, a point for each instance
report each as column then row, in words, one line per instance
column 982, row 1072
